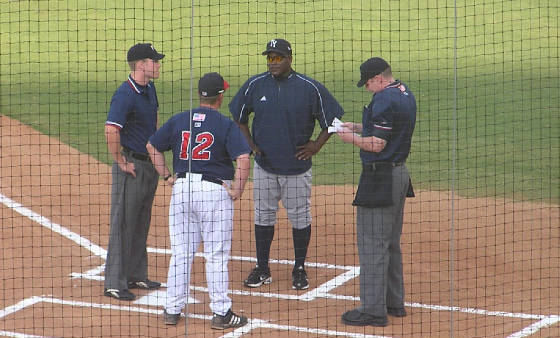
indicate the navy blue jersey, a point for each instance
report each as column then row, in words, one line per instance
column 134, row 111
column 391, row 115
column 285, row 114
column 214, row 142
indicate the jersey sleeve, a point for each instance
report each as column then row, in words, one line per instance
column 382, row 118
column 241, row 105
column 162, row 138
column 118, row 110
column 236, row 143
column 327, row 107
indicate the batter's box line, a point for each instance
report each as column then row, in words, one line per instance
column 252, row 324
column 321, row 291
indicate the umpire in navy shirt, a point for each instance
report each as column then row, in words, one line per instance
column 132, row 119
column 286, row 107
column 386, row 134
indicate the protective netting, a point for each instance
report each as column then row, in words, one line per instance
column 480, row 241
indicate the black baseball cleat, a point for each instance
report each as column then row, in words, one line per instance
column 299, row 279
column 119, row 294
column 227, row 321
column 258, row 277
column 358, row 318
column 144, row 284
column 396, row 311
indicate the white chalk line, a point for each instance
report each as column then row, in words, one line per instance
column 321, row 291
column 81, row 241
column 18, row 335
column 252, row 324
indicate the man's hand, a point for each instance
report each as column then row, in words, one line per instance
column 306, row 151
column 233, row 193
column 346, row 134
column 128, row 167
column 354, row 127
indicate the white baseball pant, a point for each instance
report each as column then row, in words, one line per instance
column 199, row 211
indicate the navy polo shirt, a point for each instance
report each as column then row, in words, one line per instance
column 215, row 142
column 285, row 113
column 391, row 115
column 134, row 112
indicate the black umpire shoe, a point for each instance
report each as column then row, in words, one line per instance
column 396, row 311
column 119, row 294
column 358, row 318
column 299, row 279
column 144, row 284
column 258, row 277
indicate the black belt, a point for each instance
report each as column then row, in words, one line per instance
column 138, row 156
column 204, row 178
column 371, row 166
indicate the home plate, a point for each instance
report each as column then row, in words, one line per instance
column 157, row 298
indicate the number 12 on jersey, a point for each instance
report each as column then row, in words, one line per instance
column 202, row 140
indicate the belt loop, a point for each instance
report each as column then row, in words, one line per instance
column 369, row 166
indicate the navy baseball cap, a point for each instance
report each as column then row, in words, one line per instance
column 212, row 84
column 142, row 51
column 370, row 68
column 279, row 46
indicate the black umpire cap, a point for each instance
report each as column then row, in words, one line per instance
column 142, row 51
column 212, row 84
column 370, row 68
column 279, row 46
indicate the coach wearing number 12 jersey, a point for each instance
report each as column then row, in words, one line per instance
column 203, row 143
column 286, row 106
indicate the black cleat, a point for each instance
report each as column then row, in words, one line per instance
column 299, row 279
column 258, row 277
column 227, row 321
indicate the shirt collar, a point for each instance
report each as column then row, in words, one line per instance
column 136, row 87
column 283, row 78
column 394, row 84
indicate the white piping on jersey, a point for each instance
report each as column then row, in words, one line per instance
column 247, row 90
column 133, row 85
column 320, row 97
column 298, row 76
column 382, row 127
column 114, row 124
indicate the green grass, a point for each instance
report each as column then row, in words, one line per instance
column 61, row 61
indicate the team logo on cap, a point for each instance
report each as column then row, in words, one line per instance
column 273, row 43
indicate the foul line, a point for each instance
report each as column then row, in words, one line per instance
column 81, row 241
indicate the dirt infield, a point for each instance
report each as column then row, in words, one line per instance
column 503, row 273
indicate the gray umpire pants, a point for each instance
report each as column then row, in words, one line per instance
column 378, row 235
column 131, row 211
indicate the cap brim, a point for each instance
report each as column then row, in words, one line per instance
column 362, row 82
column 266, row 52
column 158, row 56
